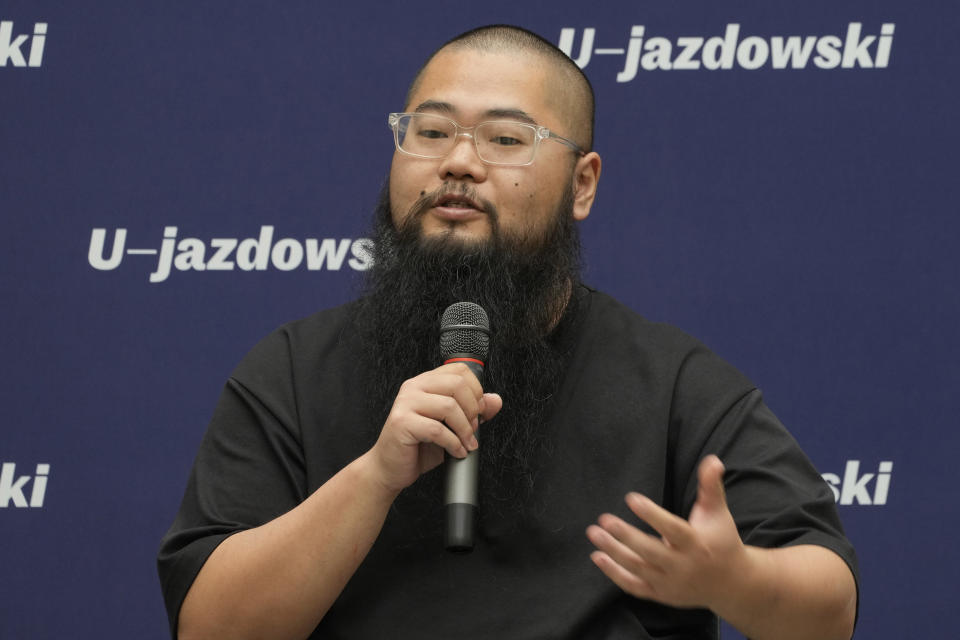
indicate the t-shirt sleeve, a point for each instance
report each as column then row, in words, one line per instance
column 249, row 468
column 776, row 495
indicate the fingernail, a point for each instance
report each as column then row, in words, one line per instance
column 473, row 444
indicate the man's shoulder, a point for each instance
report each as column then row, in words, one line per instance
column 324, row 323
column 618, row 334
column 328, row 334
column 625, row 324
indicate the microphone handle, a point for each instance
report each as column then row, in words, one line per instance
column 460, row 495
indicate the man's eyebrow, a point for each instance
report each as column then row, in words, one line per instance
column 511, row 114
column 497, row 114
column 435, row 105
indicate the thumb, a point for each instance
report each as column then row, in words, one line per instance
column 492, row 403
column 710, row 493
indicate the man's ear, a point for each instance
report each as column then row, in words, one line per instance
column 586, row 175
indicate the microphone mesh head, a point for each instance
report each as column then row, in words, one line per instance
column 464, row 328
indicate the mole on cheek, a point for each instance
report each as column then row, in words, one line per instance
column 516, row 184
column 423, row 192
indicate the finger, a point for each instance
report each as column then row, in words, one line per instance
column 651, row 549
column 446, row 410
column 446, row 381
column 469, row 404
column 710, row 493
column 462, row 370
column 619, row 552
column 629, row 582
column 467, row 393
column 426, row 430
column 673, row 528
column 490, row 405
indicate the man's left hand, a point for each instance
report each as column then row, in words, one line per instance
column 692, row 563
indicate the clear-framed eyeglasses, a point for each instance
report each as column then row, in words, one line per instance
column 498, row 142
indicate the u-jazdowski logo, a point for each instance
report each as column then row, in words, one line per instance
column 649, row 52
column 227, row 254
column 855, row 487
column 12, row 48
column 13, row 488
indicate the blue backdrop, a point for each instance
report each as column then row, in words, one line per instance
column 779, row 180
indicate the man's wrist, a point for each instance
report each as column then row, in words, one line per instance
column 368, row 473
column 746, row 588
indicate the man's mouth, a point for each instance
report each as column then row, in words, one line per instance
column 454, row 201
column 453, row 205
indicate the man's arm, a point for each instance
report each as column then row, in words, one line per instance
column 278, row 580
column 789, row 593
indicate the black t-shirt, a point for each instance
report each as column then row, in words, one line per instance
column 640, row 405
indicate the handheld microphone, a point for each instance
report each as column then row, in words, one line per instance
column 464, row 337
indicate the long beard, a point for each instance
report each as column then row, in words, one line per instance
column 525, row 286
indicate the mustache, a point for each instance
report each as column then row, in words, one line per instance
column 428, row 200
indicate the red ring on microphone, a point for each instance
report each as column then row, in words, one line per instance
column 479, row 362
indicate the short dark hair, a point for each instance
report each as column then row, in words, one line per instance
column 499, row 37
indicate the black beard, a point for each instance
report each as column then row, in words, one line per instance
column 525, row 285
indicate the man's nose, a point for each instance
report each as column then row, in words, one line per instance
column 463, row 161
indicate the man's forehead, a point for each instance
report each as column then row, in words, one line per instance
column 472, row 83
column 493, row 113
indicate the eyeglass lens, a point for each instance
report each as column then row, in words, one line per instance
column 433, row 136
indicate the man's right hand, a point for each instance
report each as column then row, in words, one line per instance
column 278, row 580
column 437, row 411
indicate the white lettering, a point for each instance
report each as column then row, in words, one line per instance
column 328, row 251
column 685, row 59
column 10, row 489
column 726, row 46
column 853, row 488
column 855, row 49
column 192, row 251
column 10, row 49
column 362, row 250
column 218, row 261
column 95, row 254
column 883, row 483
column 36, row 47
column 883, row 47
column 166, row 255
column 633, row 55
column 794, row 49
column 828, row 52
column 39, row 485
column 586, row 45
column 833, row 480
column 287, row 254
column 260, row 248
column 659, row 52
column 752, row 52
column 227, row 254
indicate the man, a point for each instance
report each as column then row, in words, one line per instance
column 314, row 504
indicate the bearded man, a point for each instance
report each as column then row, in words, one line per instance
column 313, row 509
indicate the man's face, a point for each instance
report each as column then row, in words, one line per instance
column 471, row 87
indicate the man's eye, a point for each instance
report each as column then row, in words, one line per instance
column 506, row 141
column 431, row 133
